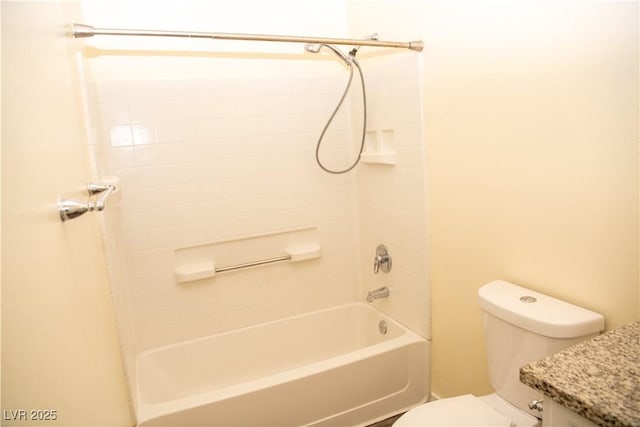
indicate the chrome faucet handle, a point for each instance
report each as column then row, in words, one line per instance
column 382, row 260
column 93, row 188
column 69, row 209
column 106, row 189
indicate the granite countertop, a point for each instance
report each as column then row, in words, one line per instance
column 598, row 378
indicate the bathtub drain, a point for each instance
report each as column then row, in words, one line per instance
column 382, row 327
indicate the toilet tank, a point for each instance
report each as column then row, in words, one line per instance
column 522, row 326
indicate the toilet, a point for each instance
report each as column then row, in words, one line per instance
column 521, row 326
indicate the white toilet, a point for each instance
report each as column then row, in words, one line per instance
column 521, row 326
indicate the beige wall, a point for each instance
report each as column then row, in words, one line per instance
column 532, row 145
column 59, row 345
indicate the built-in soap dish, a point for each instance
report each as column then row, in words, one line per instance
column 379, row 147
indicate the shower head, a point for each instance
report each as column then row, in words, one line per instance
column 315, row 48
column 353, row 51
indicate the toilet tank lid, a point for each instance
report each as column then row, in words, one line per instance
column 536, row 312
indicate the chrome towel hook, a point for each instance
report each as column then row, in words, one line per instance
column 70, row 209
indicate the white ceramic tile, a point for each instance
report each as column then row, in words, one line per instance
column 167, row 131
column 111, row 91
column 226, row 157
column 141, row 112
column 146, row 155
column 148, row 338
column 122, row 157
column 120, row 136
column 143, row 133
column 143, row 261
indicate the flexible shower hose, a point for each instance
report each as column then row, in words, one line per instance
column 351, row 62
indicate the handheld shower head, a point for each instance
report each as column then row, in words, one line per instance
column 315, row 48
column 352, row 63
column 353, row 51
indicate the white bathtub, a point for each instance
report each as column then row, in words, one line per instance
column 331, row 367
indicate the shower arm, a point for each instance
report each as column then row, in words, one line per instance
column 82, row 30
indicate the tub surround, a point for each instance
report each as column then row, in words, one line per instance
column 335, row 366
column 598, row 379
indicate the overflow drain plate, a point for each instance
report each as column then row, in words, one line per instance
column 382, row 327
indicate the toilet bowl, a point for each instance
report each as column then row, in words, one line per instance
column 521, row 326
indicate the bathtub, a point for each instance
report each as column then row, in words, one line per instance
column 333, row 367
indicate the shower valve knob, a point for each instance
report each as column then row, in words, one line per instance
column 382, row 260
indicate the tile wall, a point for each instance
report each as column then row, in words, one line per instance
column 207, row 160
column 392, row 199
column 214, row 159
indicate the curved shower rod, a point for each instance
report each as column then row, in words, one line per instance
column 82, row 30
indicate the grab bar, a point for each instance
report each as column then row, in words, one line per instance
column 207, row 269
column 69, row 209
column 253, row 264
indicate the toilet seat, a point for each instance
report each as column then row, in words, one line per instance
column 466, row 410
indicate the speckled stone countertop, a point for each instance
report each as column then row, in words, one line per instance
column 598, row 378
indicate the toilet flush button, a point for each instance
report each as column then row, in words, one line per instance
column 528, row 299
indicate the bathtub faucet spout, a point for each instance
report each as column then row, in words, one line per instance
column 382, row 292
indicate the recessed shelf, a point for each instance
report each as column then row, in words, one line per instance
column 388, row 158
column 207, row 261
column 379, row 147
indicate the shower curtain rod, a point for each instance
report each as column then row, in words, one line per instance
column 82, row 30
